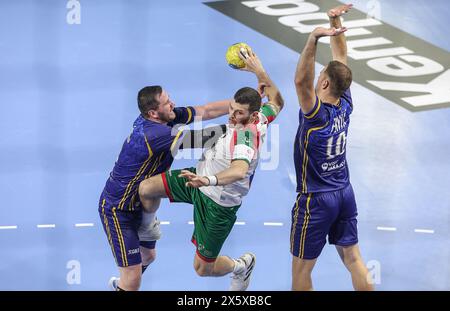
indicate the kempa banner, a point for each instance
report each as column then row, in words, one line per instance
column 400, row 67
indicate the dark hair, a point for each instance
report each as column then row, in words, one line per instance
column 147, row 98
column 248, row 96
column 340, row 77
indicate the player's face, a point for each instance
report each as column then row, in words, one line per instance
column 238, row 114
column 165, row 108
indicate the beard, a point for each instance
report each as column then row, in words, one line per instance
column 166, row 117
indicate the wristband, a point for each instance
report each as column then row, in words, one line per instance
column 212, row 180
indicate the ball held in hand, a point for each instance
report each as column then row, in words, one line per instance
column 232, row 55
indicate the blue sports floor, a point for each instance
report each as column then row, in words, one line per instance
column 68, row 100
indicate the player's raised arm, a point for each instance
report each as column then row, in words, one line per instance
column 338, row 43
column 265, row 85
column 304, row 74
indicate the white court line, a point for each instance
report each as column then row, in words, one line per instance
column 46, row 226
column 273, row 224
column 7, row 227
column 387, row 228
column 84, row 225
column 240, row 223
column 165, row 222
column 190, row 222
column 423, row 231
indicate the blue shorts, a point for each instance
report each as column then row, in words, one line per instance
column 316, row 215
column 121, row 228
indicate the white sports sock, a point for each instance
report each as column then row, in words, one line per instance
column 239, row 266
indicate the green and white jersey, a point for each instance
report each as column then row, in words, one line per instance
column 235, row 144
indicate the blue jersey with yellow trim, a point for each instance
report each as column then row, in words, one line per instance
column 319, row 149
column 146, row 152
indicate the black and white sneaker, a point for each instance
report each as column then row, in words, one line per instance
column 113, row 283
column 241, row 279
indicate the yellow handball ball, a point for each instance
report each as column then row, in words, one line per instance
column 232, row 55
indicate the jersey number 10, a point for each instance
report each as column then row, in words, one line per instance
column 339, row 146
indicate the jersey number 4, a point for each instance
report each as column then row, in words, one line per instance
column 337, row 146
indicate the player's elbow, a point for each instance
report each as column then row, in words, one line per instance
column 241, row 172
column 300, row 78
column 279, row 100
column 241, row 175
column 299, row 85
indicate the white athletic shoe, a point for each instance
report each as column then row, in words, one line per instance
column 113, row 283
column 240, row 281
column 150, row 233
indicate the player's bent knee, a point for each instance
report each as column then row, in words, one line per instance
column 152, row 188
column 145, row 189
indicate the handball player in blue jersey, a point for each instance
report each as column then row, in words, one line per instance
column 148, row 151
column 325, row 204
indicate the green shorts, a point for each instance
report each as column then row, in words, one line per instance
column 212, row 222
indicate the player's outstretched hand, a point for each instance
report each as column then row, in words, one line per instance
column 339, row 10
column 251, row 60
column 327, row 32
column 194, row 180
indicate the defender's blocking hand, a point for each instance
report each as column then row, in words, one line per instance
column 327, row 32
column 339, row 10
